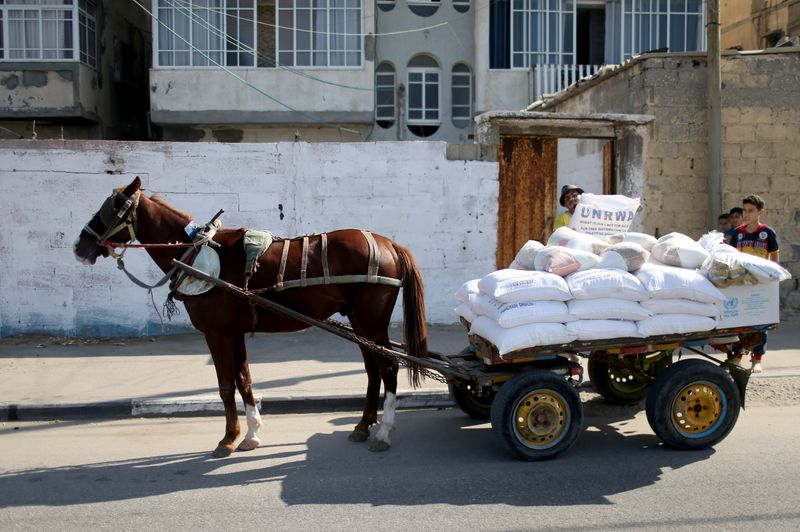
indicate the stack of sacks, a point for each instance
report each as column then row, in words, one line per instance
column 682, row 300
column 467, row 294
column 517, row 309
column 606, row 304
column 726, row 265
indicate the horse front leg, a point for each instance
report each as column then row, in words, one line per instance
column 245, row 385
column 222, row 351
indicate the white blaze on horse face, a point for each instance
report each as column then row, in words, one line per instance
column 387, row 420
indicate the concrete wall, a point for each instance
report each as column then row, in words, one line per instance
column 444, row 210
column 760, row 119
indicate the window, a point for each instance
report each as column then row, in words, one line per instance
column 462, row 6
column 320, row 33
column 423, row 96
column 386, row 5
column 384, row 95
column 86, row 18
column 205, row 33
column 678, row 25
column 542, row 33
column 423, row 8
column 44, row 30
column 462, row 95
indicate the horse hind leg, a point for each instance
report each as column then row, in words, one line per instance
column 244, row 383
column 370, row 415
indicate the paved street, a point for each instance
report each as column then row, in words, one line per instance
column 445, row 472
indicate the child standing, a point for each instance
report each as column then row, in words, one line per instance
column 757, row 239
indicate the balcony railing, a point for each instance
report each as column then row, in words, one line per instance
column 548, row 79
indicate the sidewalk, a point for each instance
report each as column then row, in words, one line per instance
column 308, row 371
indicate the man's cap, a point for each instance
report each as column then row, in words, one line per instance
column 568, row 188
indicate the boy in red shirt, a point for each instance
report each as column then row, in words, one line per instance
column 758, row 239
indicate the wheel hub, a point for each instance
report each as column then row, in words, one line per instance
column 540, row 418
column 697, row 408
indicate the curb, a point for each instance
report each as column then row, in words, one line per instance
column 204, row 406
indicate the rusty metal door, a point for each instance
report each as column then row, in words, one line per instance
column 528, row 183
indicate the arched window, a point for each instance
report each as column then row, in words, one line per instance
column 384, row 95
column 386, row 5
column 423, row 8
column 461, row 84
column 422, row 101
column 462, row 6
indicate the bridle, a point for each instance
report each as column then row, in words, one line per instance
column 115, row 220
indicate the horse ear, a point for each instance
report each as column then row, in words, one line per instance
column 135, row 185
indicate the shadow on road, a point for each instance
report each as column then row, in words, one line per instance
column 438, row 457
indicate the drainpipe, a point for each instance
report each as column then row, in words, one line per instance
column 713, row 90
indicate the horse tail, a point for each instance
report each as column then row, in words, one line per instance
column 414, row 330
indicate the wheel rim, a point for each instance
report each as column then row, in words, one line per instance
column 624, row 381
column 698, row 409
column 541, row 419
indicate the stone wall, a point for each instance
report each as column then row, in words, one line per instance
column 443, row 209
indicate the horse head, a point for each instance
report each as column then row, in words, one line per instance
column 114, row 222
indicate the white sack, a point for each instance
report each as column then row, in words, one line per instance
column 564, row 261
column 607, row 309
column 509, row 315
column 570, row 238
column 643, row 239
column 588, row 330
column 526, row 255
column 514, row 339
column 627, row 256
column 464, row 311
column 679, row 250
column 515, row 286
column 662, row 324
column 598, row 214
column 765, row 270
column 681, row 306
column 594, row 284
column 668, row 282
column 470, row 287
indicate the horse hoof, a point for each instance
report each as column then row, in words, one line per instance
column 358, row 436
column 378, row 446
column 248, row 445
column 222, row 452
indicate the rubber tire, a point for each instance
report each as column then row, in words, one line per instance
column 665, row 389
column 474, row 406
column 598, row 376
column 514, row 391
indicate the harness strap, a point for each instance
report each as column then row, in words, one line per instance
column 282, row 268
column 304, row 262
column 326, row 271
column 374, row 257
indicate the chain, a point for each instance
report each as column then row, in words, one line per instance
column 383, row 351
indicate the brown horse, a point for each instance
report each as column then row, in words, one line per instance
column 224, row 318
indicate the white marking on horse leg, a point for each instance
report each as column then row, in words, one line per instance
column 251, row 439
column 387, row 419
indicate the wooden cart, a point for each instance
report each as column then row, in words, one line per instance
column 531, row 396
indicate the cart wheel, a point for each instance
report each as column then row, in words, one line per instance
column 616, row 383
column 476, row 404
column 537, row 415
column 693, row 404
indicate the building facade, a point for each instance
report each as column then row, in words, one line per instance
column 73, row 69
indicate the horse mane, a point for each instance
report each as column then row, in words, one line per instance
column 158, row 199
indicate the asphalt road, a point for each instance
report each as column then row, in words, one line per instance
column 445, row 472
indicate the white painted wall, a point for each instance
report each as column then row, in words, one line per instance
column 580, row 163
column 444, row 211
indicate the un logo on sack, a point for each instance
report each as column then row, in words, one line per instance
column 731, row 303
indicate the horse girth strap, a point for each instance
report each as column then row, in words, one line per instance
column 371, row 276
